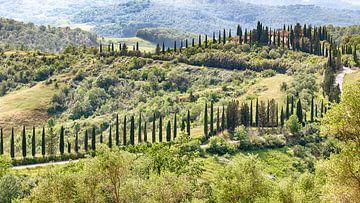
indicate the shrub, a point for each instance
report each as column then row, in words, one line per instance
column 293, row 125
column 218, row 145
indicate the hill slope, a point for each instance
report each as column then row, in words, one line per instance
column 14, row 34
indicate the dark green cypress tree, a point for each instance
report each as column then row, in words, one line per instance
column 139, row 130
column 230, row 33
column 61, row 144
column 24, row 142
column 183, row 125
column 206, row 133
column 1, row 142
column 132, row 130
column 12, row 144
column 283, row 39
column 211, row 119
column 245, row 37
column 251, row 113
column 200, row 41
column 193, row 42
column 101, row 48
column 188, row 123
column 160, row 129
column 278, row 39
column 77, row 142
column 154, row 130
column 218, row 120
column 292, row 105
column 282, row 117
column 175, row 127
column 223, row 119
column 219, row 37
column 163, row 48
column 316, row 110
column 117, row 135
column 312, row 110
column 214, row 38
column 238, row 30
column 299, row 112
column 33, row 143
column 69, row 147
column 93, row 139
column 240, row 36
column 287, row 114
column 43, row 142
column 257, row 113
column 101, row 138
column 110, row 137
column 168, row 132
column 224, row 37
column 145, row 132
column 268, row 113
column 124, row 132
column 86, row 139
column 186, row 44
column 137, row 46
column 174, row 46
column 206, row 41
column 322, row 109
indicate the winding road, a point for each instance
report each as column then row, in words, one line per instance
column 341, row 75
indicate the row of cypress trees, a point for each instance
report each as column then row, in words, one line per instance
column 170, row 130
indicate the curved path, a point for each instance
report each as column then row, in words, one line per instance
column 44, row 164
column 341, row 75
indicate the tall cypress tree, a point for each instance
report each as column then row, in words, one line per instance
column 214, row 38
column 124, row 132
column 139, row 130
column 188, row 123
column 175, row 127
column 145, row 132
column 292, row 105
column 12, row 144
column 132, row 130
column 101, row 138
column 43, row 142
column 200, row 41
column 211, row 119
column 110, row 137
column 246, row 37
column 186, row 43
column 93, row 139
column 77, row 142
column 312, row 110
column 251, row 113
column 24, row 142
column 61, row 144
column 33, row 143
column 1, row 142
column 206, row 41
column 257, row 113
column 168, row 132
column 69, row 147
column 299, row 112
column 154, row 130
column 206, row 122
column 86, row 139
column 219, row 37
column 224, row 37
column 160, row 129
column 117, row 136
column 193, row 42
column 316, row 110
column 282, row 117
column 322, row 109
column 287, row 108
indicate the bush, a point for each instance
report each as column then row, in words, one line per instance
column 293, row 125
column 218, row 145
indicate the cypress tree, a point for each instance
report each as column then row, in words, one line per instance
column 186, row 44
column 214, row 39
column 137, row 46
column 312, row 110
column 69, row 147
column 316, row 110
column 223, row 119
column 174, row 46
column 62, row 144
column 1, row 142
column 117, row 136
column 101, row 48
column 139, row 130
column 282, row 117
column 278, row 39
column 183, row 125
column 200, row 41
column 124, row 132
column 175, row 127
column 188, row 123
column 299, row 112
column 110, row 138
column 251, row 113
column 211, row 118
column 287, row 108
column 322, row 108
column 230, row 33
column 76, row 142
column 168, row 132
column 268, row 113
column 145, row 132
column 257, row 113
column 283, row 39
column 12, row 147
column 23, row 142
column 86, row 139
column 163, row 48
column 93, row 139
column 43, row 142
column 33, row 143
column 292, row 105
column 250, row 36
column 154, row 130
column 206, row 41
column 219, row 37
column 193, row 42
column 132, row 130
column 101, row 138
column 277, row 115
column 224, row 37
column 160, row 129
column 245, row 37
column 206, row 122
column 218, row 120
column 238, row 30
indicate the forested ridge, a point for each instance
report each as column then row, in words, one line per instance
column 241, row 115
column 27, row 36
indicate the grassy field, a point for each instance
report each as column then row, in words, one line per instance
column 352, row 78
column 143, row 44
column 26, row 106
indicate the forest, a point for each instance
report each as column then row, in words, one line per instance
column 242, row 115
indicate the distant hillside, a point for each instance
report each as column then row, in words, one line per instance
column 340, row 33
column 19, row 35
column 122, row 18
column 125, row 19
column 160, row 35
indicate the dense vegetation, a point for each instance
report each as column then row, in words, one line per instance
column 27, row 36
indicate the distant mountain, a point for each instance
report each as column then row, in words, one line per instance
column 14, row 34
column 122, row 18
